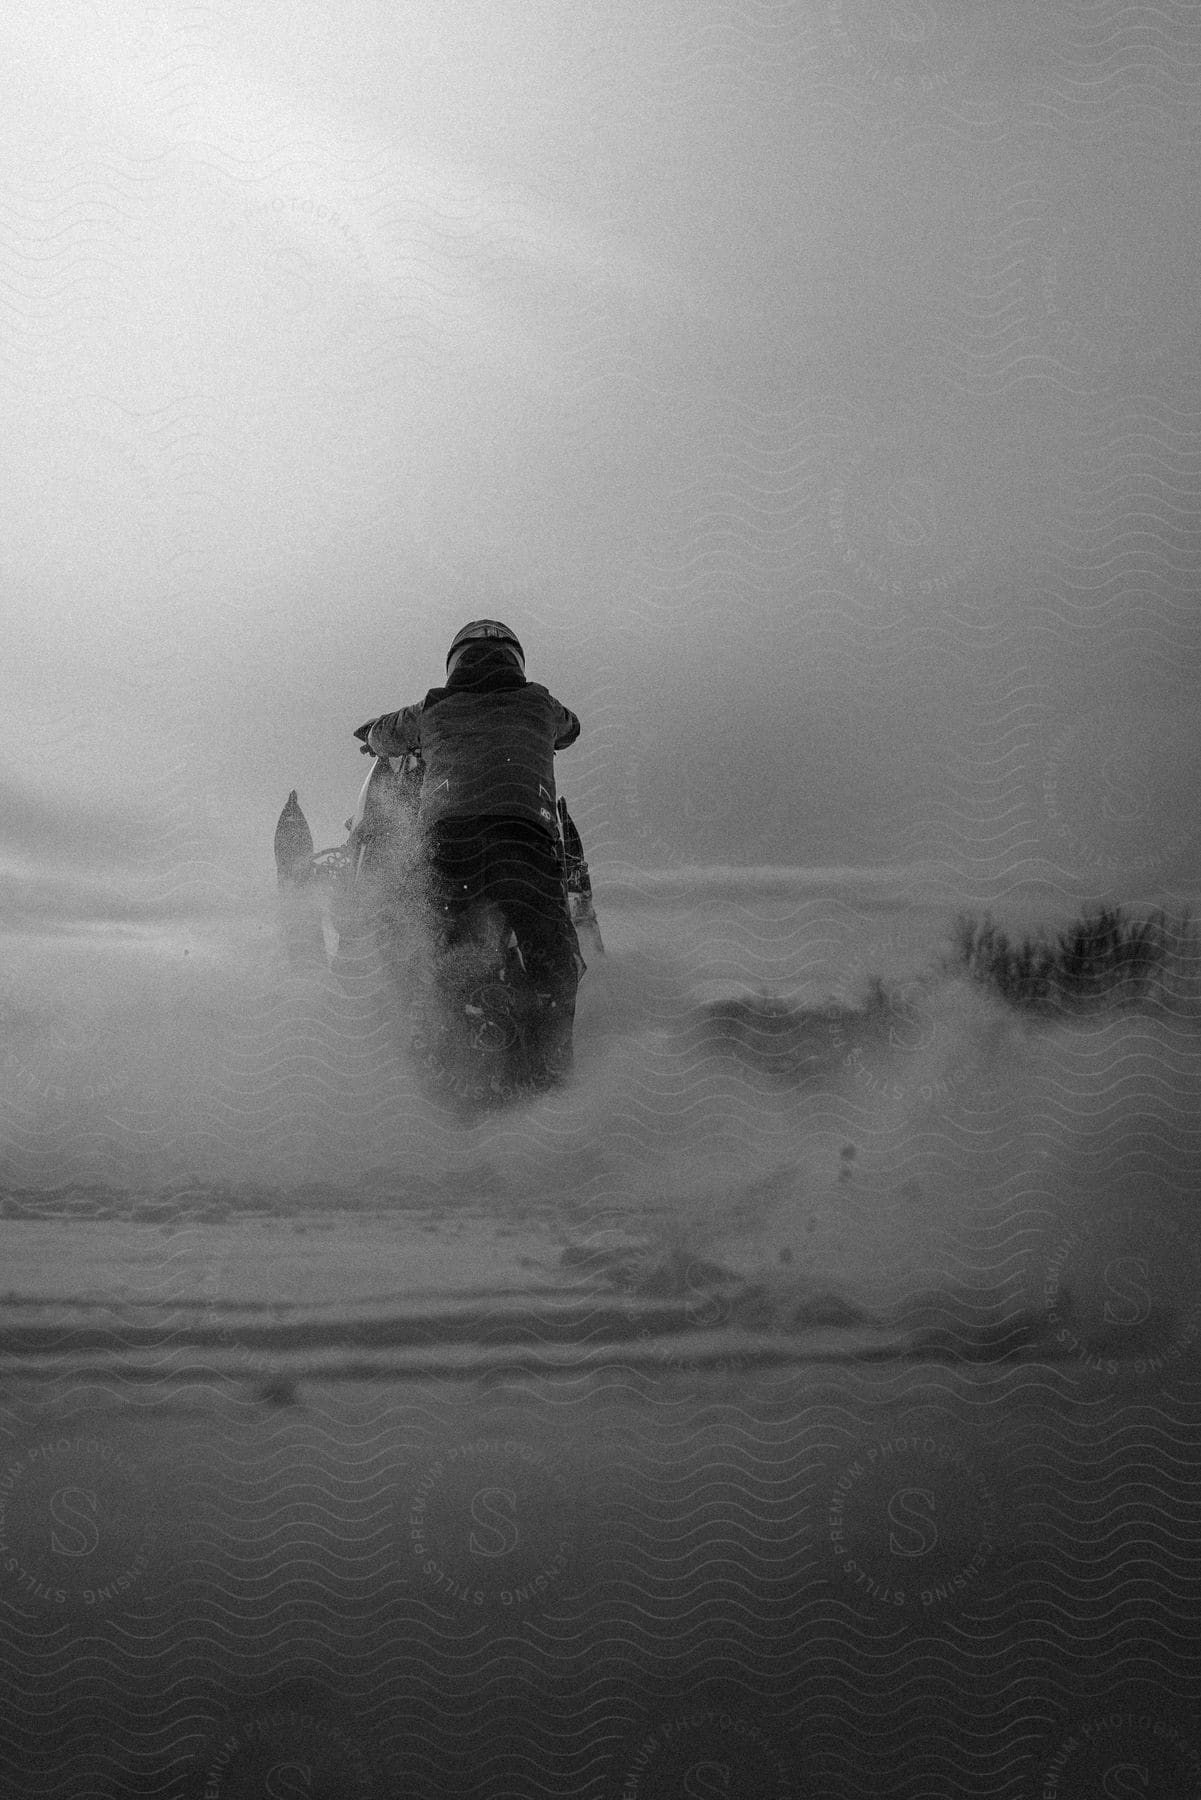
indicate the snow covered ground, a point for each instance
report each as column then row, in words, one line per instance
column 803, row 1401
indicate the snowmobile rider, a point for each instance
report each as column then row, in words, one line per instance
column 487, row 809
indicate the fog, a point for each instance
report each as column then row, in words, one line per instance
column 814, row 390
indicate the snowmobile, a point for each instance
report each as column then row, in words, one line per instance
column 363, row 909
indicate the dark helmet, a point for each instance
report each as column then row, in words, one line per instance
column 484, row 631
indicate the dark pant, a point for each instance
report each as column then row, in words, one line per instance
column 516, row 865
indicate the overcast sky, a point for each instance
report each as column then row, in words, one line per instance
column 814, row 387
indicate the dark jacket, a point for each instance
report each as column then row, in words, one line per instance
column 487, row 741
